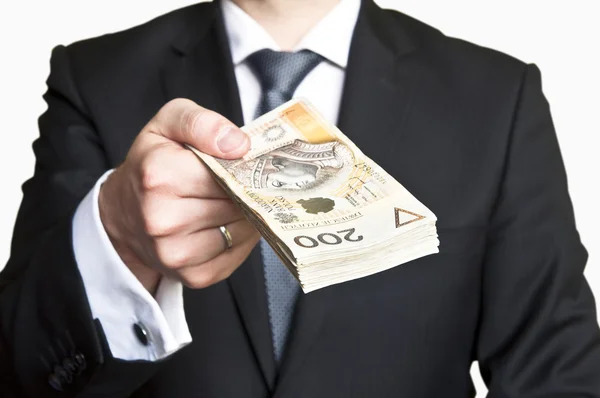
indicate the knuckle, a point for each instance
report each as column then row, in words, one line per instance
column 170, row 112
column 226, row 273
column 152, row 173
column 156, row 225
column 174, row 259
column 175, row 105
column 164, row 114
column 200, row 279
column 189, row 119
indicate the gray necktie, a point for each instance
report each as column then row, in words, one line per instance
column 279, row 74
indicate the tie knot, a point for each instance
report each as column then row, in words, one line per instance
column 282, row 71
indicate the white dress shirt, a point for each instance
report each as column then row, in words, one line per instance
column 115, row 295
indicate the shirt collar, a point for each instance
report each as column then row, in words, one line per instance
column 330, row 37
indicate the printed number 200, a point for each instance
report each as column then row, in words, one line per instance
column 328, row 238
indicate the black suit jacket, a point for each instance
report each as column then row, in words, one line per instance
column 465, row 129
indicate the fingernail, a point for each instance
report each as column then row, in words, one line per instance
column 230, row 139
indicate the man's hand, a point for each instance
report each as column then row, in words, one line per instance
column 162, row 209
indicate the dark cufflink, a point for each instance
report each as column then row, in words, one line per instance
column 141, row 333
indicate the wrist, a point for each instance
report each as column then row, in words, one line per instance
column 111, row 216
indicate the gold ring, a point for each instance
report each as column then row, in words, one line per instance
column 226, row 237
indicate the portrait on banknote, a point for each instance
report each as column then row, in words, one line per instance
column 299, row 166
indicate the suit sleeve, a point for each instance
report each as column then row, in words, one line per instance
column 52, row 344
column 539, row 333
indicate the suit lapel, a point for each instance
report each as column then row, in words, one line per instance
column 203, row 72
column 379, row 85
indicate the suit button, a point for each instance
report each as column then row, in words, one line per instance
column 80, row 362
column 60, row 378
column 141, row 333
column 70, row 365
column 63, row 374
column 56, row 382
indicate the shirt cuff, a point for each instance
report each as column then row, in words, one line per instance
column 116, row 297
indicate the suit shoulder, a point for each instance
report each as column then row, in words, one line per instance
column 451, row 51
column 146, row 39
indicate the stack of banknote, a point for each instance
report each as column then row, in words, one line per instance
column 328, row 211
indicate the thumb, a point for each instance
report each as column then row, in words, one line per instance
column 186, row 122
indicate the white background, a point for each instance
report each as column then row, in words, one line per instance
column 563, row 41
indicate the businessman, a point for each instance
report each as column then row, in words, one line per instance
column 133, row 275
